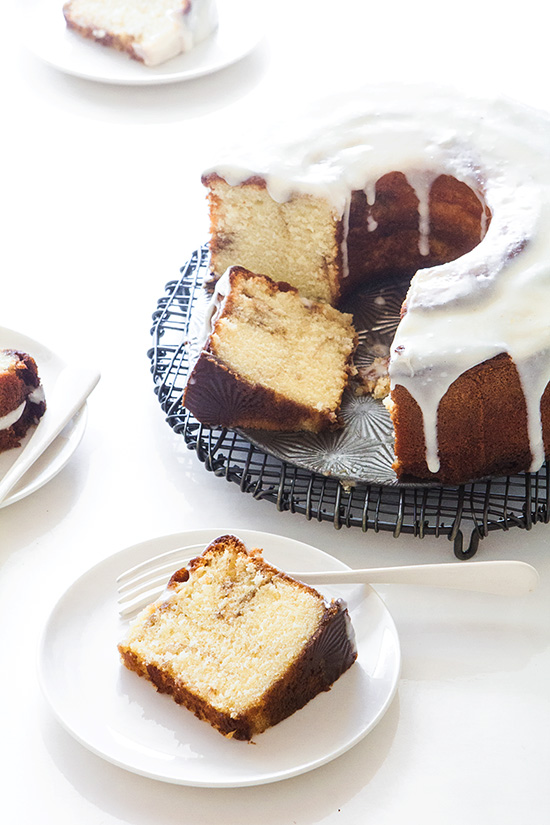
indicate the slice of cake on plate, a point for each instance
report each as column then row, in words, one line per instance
column 150, row 31
column 238, row 642
column 22, row 401
column 272, row 359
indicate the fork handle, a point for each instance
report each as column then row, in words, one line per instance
column 507, row 578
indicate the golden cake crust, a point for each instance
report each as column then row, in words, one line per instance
column 482, row 426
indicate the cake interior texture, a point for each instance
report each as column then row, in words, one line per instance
column 295, row 241
column 239, row 643
column 300, row 240
column 261, row 318
column 273, row 358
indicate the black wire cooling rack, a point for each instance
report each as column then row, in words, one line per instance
column 463, row 514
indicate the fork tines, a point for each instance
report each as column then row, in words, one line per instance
column 139, row 585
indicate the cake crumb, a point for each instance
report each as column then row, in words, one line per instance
column 374, row 380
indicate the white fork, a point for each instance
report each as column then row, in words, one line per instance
column 141, row 584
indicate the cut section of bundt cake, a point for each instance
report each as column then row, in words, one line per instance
column 272, row 360
column 238, row 642
column 151, row 31
column 297, row 241
column 304, row 240
column 22, row 401
column 452, row 193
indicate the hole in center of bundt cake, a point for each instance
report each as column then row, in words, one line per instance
column 408, row 227
column 399, row 223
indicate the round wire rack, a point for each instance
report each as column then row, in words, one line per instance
column 463, row 514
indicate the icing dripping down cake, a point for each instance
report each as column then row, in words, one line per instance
column 238, row 642
column 150, row 31
column 450, row 191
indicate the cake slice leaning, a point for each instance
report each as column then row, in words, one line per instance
column 238, row 642
column 22, row 401
column 272, row 359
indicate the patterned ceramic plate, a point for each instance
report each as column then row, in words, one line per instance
column 361, row 451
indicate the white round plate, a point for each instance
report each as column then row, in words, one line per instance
column 120, row 716
column 46, row 35
column 61, row 449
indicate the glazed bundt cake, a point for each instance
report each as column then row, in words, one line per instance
column 407, row 181
column 22, row 401
column 150, row 31
column 304, row 240
column 238, row 642
column 272, row 359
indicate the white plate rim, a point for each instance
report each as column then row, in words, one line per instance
column 69, row 438
column 122, row 560
column 46, row 36
column 54, row 459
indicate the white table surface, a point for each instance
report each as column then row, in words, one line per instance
column 102, row 202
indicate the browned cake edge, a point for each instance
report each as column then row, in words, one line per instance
column 481, row 424
column 218, row 396
column 120, row 42
column 16, row 384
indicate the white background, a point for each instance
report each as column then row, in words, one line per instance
column 102, row 203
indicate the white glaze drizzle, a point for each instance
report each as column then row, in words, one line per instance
column 492, row 300
column 370, row 194
column 37, row 396
column 421, row 181
column 179, row 32
column 215, row 306
column 12, row 417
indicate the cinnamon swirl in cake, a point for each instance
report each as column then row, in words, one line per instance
column 238, row 642
column 272, row 359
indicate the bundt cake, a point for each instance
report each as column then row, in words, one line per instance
column 272, row 358
column 238, row 642
column 22, row 401
column 417, row 180
column 150, row 31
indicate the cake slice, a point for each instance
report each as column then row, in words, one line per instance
column 151, row 31
column 273, row 360
column 238, row 642
column 22, row 401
